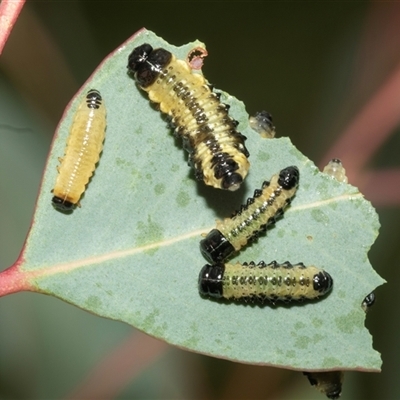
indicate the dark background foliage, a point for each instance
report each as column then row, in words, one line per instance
column 313, row 65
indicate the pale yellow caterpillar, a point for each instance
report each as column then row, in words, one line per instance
column 216, row 149
column 255, row 216
column 84, row 145
column 258, row 282
column 336, row 170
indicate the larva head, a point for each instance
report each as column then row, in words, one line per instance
column 215, row 247
column 289, row 177
column 210, row 280
column 368, row 302
column 231, row 181
column 146, row 63
column 139, row 56
column 93, row 99
column 62, row 205
column 322, row 282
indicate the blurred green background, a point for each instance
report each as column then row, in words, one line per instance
column 313, row 65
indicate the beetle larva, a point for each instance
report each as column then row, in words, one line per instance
column 329, row 383
column 368, row 302
column 259, row 212
column 84, row 145
column 336, row 170
column 256, row 283
column 262, row 124
column 216, row 149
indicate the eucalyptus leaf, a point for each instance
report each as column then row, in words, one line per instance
column 131, row 252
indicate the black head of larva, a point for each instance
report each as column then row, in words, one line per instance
column 215, row 247
column 62, row 205
column 289, row 177
column 93, row 99
column 322, row 282
column 231, row 181
column 210, row 280
column 146, row 63
column 138, row 56
column 368, row 302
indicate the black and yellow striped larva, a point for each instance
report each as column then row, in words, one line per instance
column 254, row 217
column 336, row 170
column 84, row 145
column 262, row 124
column 216, row 149
column 256, row 283
column 329, row 383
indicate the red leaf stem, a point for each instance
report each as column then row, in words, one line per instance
column 14, row 280
column 9, row 11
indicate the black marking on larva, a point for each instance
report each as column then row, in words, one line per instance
column 262, row 124
column 84, row 145
column 216, row 149
column 93, row 99
column 368, row 302
column 252, row 218
column 329, row 383
column 255, row 283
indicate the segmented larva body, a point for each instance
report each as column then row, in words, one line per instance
column 336, row 170
column 254, row 217
column 216, row 149
column 329, row 383
column 262, row 124
column 84, row 145
column 256, row 283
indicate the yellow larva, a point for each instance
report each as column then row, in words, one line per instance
column 336, row 170
column 260, row 211
column 258, row 282
column 84, row 145
column 216, row 149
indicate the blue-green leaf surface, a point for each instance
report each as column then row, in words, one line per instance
column 131, row 252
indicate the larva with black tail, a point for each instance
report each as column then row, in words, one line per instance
column 262, row 123
column 257, row 283
column 216, row 149
column 368, row 302
column 260, row 211
column 84, row 145
column 329, row 383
